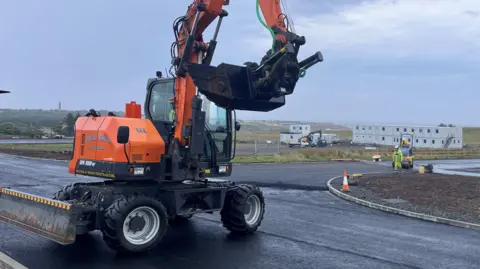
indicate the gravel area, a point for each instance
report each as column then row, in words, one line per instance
column 449, row 196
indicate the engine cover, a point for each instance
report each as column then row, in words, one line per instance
column 97, row 153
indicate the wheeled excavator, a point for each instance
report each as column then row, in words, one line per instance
column 163, row 168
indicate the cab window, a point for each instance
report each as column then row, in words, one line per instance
column 160, row 107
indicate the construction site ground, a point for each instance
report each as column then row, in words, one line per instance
column 448, row 196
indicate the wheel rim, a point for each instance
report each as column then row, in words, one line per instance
column 253, row 210
column 136, row 233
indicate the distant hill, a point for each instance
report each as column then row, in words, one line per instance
column 40, row 117
column 20, row 121
column 267, row 126
column 50, row 118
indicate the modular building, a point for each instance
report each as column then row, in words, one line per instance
column 300, row 128
column 423, row 136
column 330, row 138
column 295, row 132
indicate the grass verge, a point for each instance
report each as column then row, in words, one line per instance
column 38, row 147
column 300, row 155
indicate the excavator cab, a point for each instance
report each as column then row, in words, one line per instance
column 218, row 132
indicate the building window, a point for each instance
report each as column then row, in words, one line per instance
column 398, row 129
column 436, row 131
column 404, row 129
column 425, row 141
column 383, row 128
column 413, row 130
column 428, row 130
column 369, row 128
column 291, row 137
column 443, row 142
column 420, row 130
column 416, row 140
column 458, row 141
column 383, row 138
column 433, row 141
column 454, row 141
column 300, row 127
column 409, row 140
column 357, row 127
column 293, row 127
column 306, row 127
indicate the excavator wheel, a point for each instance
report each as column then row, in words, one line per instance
column 243, row 209
column 63, row 194
column 134, row 223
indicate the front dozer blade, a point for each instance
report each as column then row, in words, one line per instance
column 231, row 86
column 42, row 216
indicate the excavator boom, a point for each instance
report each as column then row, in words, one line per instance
column 254, row 86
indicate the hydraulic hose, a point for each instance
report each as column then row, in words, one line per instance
column 265, row 25
column 302, row 71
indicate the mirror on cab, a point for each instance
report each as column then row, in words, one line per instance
column 123, row 134
column 237, row 126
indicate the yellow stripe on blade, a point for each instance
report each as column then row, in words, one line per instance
column 36, row 198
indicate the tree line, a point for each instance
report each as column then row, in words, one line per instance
column 34, row 130
column 35, row 123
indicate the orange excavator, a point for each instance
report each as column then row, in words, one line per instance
column 161, row 169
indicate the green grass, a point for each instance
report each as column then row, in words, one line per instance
column 301, row 155
column 306, row 155
column 471, row 135
column 38, row 147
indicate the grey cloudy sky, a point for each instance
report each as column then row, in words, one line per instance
column 412, row 61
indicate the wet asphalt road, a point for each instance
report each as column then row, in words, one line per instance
column 301, row 229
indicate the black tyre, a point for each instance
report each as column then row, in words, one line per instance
column 243, row 209
column 134, row 223
column 63, row 194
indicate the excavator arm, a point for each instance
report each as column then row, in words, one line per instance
column 254, row 86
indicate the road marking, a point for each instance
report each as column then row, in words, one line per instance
column 8, row 263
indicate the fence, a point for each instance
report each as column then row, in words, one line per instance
column 348, row 151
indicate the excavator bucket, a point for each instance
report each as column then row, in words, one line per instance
column 252, row 87
column 42, row 216
column 231, row 86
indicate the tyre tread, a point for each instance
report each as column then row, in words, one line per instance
column 232, row 215
column 115, row 214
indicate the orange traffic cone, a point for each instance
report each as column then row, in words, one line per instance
column 345, row 182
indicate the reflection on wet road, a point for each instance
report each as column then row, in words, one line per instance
column 301, row 229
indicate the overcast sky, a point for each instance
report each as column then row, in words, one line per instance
column 408, row 61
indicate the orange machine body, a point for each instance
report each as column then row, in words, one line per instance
column 97, row 153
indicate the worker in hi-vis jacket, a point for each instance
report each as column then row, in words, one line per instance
column 397, row 158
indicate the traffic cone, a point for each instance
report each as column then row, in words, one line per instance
column 345, row 182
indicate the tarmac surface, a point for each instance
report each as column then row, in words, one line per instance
column 301, row 229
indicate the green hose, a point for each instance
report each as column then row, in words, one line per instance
column 265, row 25
column 302, row 71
